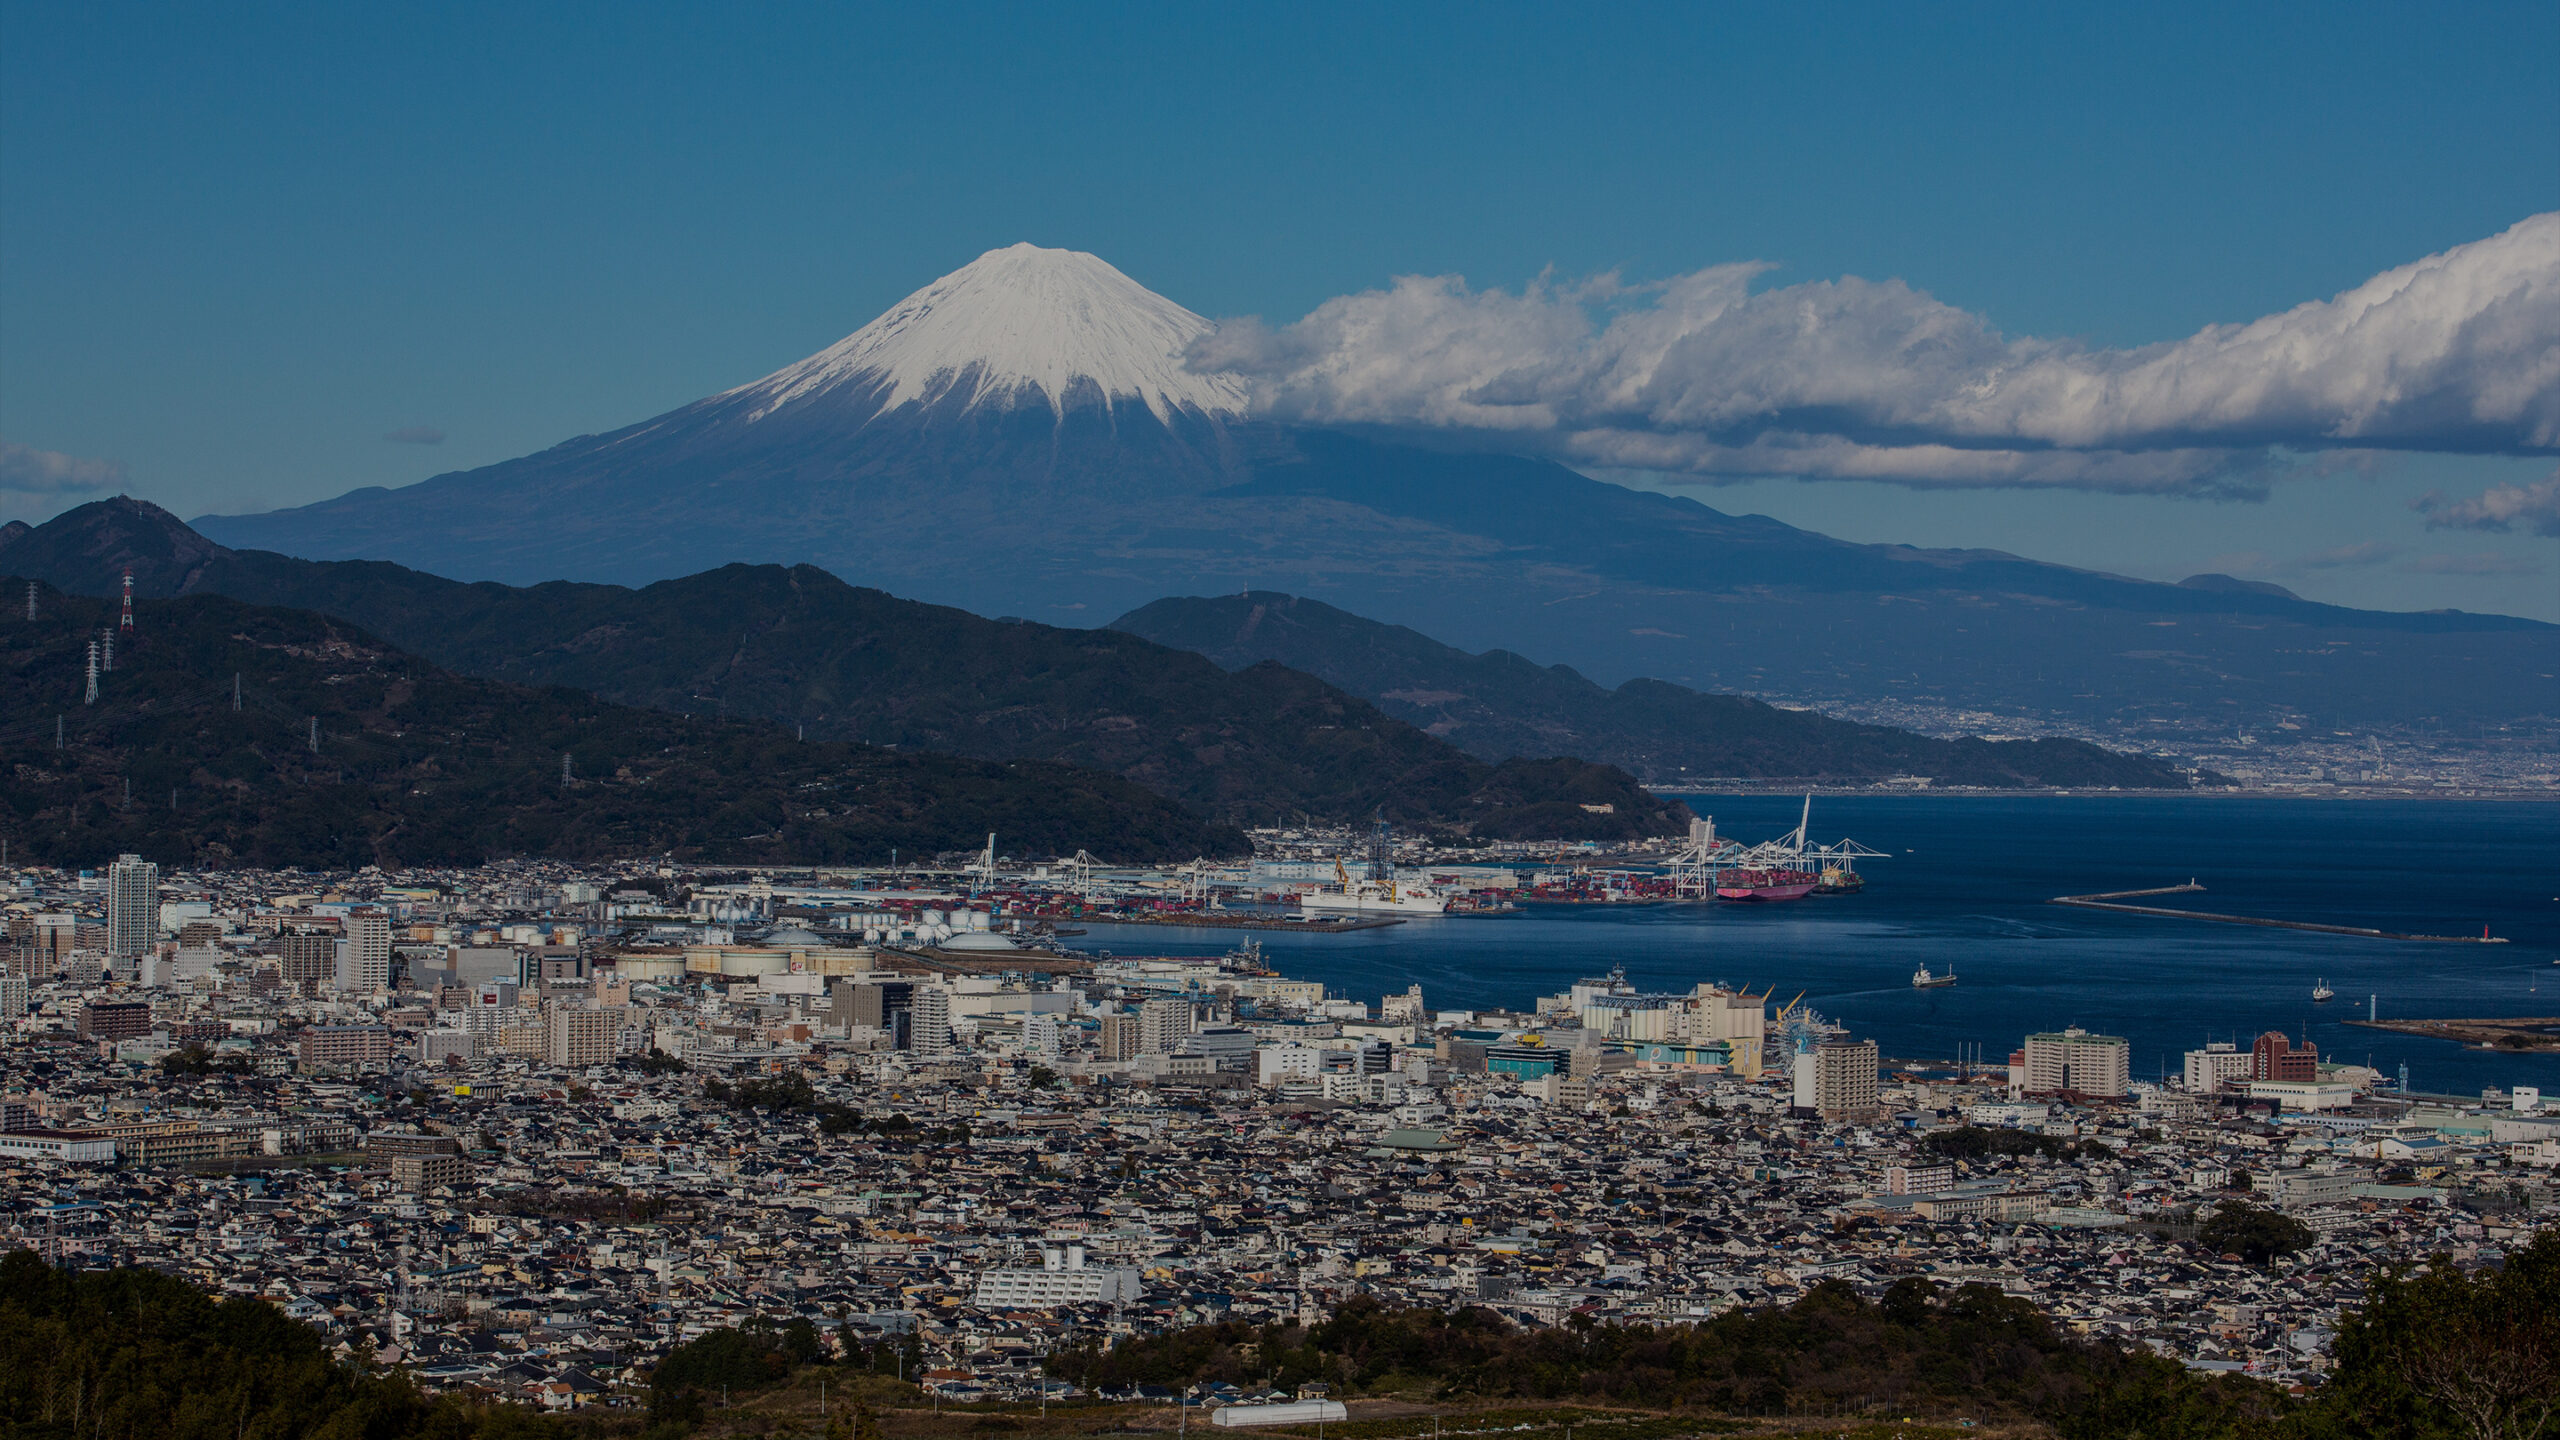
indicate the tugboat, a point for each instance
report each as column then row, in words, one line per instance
column 1921, row 979
column 2322, row 991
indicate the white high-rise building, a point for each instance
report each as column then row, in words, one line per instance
column 364, row 957
column 2073, row 1062
column 1040, row 1036
column 1164, row 1024
column 1275, row 1063
column 929, row 1021
column 133, row 909
column 2216, row 1062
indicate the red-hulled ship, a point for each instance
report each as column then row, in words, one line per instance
column 1764, row 884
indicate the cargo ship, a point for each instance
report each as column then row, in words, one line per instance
column 1772, row 884
column 1921, row 979
column 1373, row 897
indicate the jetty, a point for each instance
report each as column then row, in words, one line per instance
column 2521, row 1032
column 2112, row 900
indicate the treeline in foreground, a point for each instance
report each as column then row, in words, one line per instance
column 2432, row 1354
column 136, row 1355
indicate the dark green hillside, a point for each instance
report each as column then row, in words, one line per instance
column 418, row 766
column 1497, row 704
column 130, row 1352
column 801, row 647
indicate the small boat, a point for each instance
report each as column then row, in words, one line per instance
column 2322, row 991
column 1921, row 979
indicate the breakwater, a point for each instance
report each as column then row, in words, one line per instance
column 2110, row 900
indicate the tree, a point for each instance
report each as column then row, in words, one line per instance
column 860, row 1424
column 133, row 1352
column 2256, row 1236
column 2440, row 1352
column 192, row 1059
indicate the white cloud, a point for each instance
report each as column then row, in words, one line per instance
column 2500, row 507
column 2351, row 557
column 1859, row 379
column 2485, row 562
column 46, row 474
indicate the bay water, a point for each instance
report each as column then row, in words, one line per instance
column 1965, row 889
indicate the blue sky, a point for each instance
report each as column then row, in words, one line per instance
column 239, row 247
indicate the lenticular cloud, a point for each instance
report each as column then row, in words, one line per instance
column 1858, row 379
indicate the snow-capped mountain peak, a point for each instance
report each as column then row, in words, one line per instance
column 1008, row 323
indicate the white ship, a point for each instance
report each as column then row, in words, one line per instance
column 1374, row 897
column 1921, row 979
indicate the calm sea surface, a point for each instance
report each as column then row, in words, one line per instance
column 1966, row 889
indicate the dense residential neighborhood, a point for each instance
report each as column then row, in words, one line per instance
column 523, row 1129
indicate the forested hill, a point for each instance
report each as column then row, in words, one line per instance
column 796, row 645
column 342, row 751
column 1498, row 704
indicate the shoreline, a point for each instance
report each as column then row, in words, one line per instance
column 2039, row 792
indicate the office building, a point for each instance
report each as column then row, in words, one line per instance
column 1287, row 1062
column 1040, row 1036
column 1227, row 1047
column 437, row 1046
column 2217, row 1062
column 2074, row 1064
column 2276, row 1057
column 887, row 1006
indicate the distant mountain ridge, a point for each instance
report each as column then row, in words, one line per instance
column 800, row 647
column 1023, row 437
column 1497, row 705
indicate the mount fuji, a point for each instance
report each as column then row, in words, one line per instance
column 1022, row 437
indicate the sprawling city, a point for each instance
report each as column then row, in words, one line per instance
column 524, row 1130
column 1345, row 722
